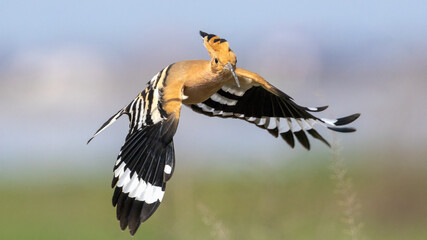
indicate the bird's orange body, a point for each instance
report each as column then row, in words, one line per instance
column 213, row 88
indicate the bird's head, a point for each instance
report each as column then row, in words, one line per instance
column 222, row 58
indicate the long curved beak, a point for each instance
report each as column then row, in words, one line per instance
column 229, row 67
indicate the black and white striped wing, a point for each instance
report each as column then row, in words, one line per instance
column 276, row 112
column 146, row 160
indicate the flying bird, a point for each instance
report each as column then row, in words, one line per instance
column 216, row 88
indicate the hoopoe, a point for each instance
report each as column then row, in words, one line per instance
column 216, row 88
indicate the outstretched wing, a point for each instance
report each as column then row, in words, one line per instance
column 147, row 159
column 262, row 104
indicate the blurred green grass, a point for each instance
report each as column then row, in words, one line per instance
column 293, row 200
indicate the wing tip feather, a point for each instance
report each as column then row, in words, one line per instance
column 289, row 138
column 342, row 129
column 346, row 120
column 316, row 135
column 316, row 109
column 90, row 140
column 302, row 138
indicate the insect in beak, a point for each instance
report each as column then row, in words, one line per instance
column 229, row 67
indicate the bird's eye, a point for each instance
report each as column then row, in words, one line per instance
column 216, row 60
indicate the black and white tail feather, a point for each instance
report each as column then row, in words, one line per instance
column 272, row 110
column 146, row 160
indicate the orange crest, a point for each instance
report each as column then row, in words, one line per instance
column 218, row 48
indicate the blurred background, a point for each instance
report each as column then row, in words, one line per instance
column 66, row 67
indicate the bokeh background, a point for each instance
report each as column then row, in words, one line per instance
column 66, row 67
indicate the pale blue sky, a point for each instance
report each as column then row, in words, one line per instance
column 112, row 23
column 66, row 66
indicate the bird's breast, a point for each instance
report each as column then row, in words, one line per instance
column 199, row 90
